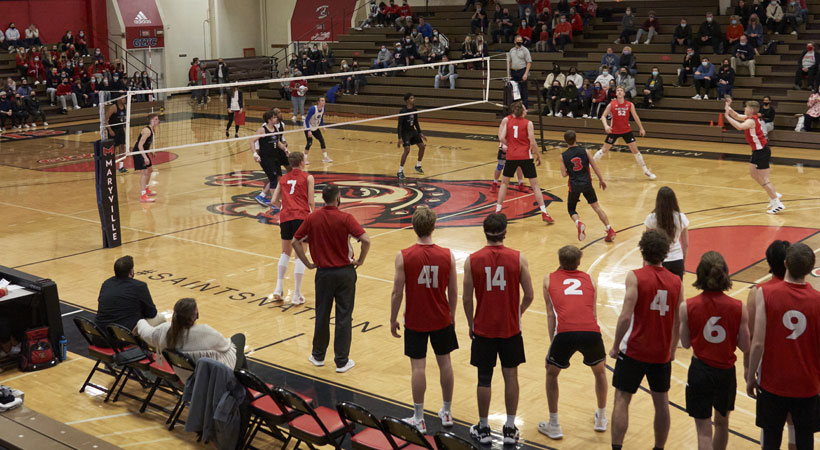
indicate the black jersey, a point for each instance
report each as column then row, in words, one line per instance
column 268, row 144
column 118, row 118
column 576, row 160
column 409, row 124
column 148, row 142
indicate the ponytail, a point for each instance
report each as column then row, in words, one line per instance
column 185, row 314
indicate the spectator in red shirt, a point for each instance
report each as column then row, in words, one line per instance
column 562, row 34
column 525, row 32
column 298, row 92
column 576, row 21
column 544, row 37
column 81, row 44
column 64, row 91
column 541, row 5
column 392, row 11
column 404, row 14
column 650, row 28
column 36, row 70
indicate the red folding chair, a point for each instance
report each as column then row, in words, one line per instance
column 315, row 426
column 103, row 355
column 409, row 433
column 449, row 441
column 373, row 436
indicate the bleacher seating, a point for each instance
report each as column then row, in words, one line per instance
column 243, row 69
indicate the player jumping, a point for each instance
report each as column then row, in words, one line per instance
column 410, row 134
column 620, row 108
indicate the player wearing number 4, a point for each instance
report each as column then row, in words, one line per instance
column 620, row 110
column 646, row 337
column 786, row 347
column 427, row 273
column 714, row 325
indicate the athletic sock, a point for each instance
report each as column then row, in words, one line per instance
column 281, row 270
column 601, row 411
column 121, row 165
column 792, row 436
column 639, row 158
column 598, row 154
column 418, row 163
column 576, row 221
column 298, row 274
column 143, row 192
column 401, row 169
column 543, row 208
column 510, row 421
column 607, row 227
column 553, row 418
column 497, row 208
column 324, row 154
column 418, row 412
column 447, row 406
column 482, row 422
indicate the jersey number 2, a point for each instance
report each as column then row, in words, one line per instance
column 659, row 303
column 573, row 288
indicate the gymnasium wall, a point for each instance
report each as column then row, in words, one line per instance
column 238, row 26
column 54, row 17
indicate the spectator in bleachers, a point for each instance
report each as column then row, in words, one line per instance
column 598, row 101
column 384, row 10
column 392, row 12
column 562, row 7
column 446, row 72
column 523, row 5
column 82, row 72
column 298, row 94
column 611, row 92
column 13, row 40
column 305, row 65
column 19, row 111
column 585, row 95
column 81, row 44
column 52, row 81
column 807, row 67
column 605, row 77
column 33, row 36
column 609, row 60
column 316, row 57
column 410, row 48
column 118, row 85
column 562, row 35
column 733, row 33
column 359, row 80
column 98, row 56
column 541, row 6
column 64, row 93
column 417, row 37
column 744, row 55
column 743, row 11
column 653, row 89
column 34, row 110
column 553, row 99
column 425, row 50
column 21, row 61
column 468, row 3
column 530, row 18
column 405, row 16
column 437, row 50
column 757, row 9
column 725, row 80
column 543, row 18
column 400, row 58
column 481, row 50
column 424, row 28
column 478, row 21
column 83, row 99
column 23, row 89
column 650, row 27
column 372, row 16
column 767, row 114
column 525, row 31
column 555, row 75
column 704, row 79
column 627, row 27
column 576, row 21
column 804, row 11
column 774, row 17
column 813, row 113
column 628, row 61
column 576, row 77
column 382, row 59
column 10, row 88
column 543, row 40
column 503, row 26
column 294, row 61
column 626, row 80
column 91, row 90
column 468, row 51
column 569, row 101
column 755, row 31
column 690, row 64
column 68, row 39
column 709, row 34
column 442, row 38
column 6, row 114
column 792, row 16
column 682, row 35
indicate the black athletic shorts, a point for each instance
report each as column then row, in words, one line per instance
column 119, row 135
column 760, row 158
column 677, row 267
column 411, row 139
column 509, row 350
column 142, row 161
column 443, row 341
column 628, row 138
column 272, row 167
column 526, row 165
column 575, row 194
column 288, row 229
column 564, row 345
column 772, row 410
column 709, row 387
column 629, row 374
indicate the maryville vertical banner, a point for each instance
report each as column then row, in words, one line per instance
column 320, row 20
column 105, row 171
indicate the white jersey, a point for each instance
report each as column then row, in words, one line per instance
column 315, row 118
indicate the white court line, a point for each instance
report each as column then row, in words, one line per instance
column 94, row 419
column 72, row 312
column 32, row 373
column 117, row 433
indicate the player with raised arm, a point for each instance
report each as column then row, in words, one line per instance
column 269, row 151
column 142, row 161
column 427, row 274
column 410, row 134
column 749, row 123
column 518, row 139
column 315, row 119
column 620, row 108
column 576, row 162
column 295, row 193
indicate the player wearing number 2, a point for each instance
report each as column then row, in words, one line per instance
column 714, row 325
column 427, row 273
column 646, row 337
column 786, row 347
column 494, row 274
column 620, row 109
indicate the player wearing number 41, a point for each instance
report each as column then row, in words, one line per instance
column 493, row 274
column 714, row 325
column 620, row 109
column 786, row 348
column 427, row 273
column 646, row 337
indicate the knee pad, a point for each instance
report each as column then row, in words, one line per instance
column 500, row 165
column 485, row 376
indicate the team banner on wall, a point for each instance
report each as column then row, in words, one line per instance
column 143, row 24
column 320, row 20
column 105, row 171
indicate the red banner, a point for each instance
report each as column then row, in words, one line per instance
column 320, row 20
column 143, row 24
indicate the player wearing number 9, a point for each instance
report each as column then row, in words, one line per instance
column 714, row 325
column 786, row 347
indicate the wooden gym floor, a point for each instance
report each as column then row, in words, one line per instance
column 205, row 237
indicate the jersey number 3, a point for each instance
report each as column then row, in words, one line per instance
column 577, row 164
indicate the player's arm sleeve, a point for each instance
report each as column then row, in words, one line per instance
column 310, row 114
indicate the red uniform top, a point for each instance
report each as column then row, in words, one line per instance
column 525, row 32
column 649, row 338
column 791, row 353
column 561, row 28
column 193, row 73
column 329, row 230
column 518, row 139
column 404, row 10
column 496, row 274
column 426, row 279
column 573, row 300
column 577, row 22
column 774, row 280
column 755, row 136
column 393, row 9
column 714, row 321
column 620, row 116
column 295, row 196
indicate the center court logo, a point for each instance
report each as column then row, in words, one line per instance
column 142, row 19
column 380, row 201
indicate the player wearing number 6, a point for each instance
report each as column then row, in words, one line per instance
column 427, row 273
column 714, row 325
column 646, row 337
column 620, row 109
column 494, row 274
column 786, row 347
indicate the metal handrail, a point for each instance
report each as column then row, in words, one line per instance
column 152, row 74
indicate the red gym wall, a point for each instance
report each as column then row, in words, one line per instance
column 54, row 17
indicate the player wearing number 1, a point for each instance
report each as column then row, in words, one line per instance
column 621, row 109
column 646, row 337
column 786, row 347
column 714, row 325
column 427, row 273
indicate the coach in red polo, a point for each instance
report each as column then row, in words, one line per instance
column 329, row 231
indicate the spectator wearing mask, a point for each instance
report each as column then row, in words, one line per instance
column 52, row 81
column 6, row 114
column 437, row 50
column 64, row 92
column 24, row 89
column 611, row 92
column 553, row 97
column 576, row 21
column 682, row 35
column 543, row 40
column 81, row 44
column 400, row 58
column 90, row 89
column 381, row 19
column 774, row 17
column 13, row 37
column 605, row 77
column 98, row 57
column 743, row 11
column 294, row 61
column 316, row 56
column 554, row 75
column 569, row 101
column 628, row 61
column 446, row 72
column 417, row 37
column 33, row 36
column 67, row 40
column 523, row 5
column 504, row 26
column 709, row 34
column 445, row 41
column 653, row 89
column 298, row 94
column 424, row 28
column 757, row 9
column 83, row 99
column 372, row 16
column 792, row 16
column 469, row 3
column 520, row 64
column 562, row 35
column 562, row 7
column 704, row 79
column 478, row 22
column 744, row 55
column 627, row 27
column 725, row 80
column 410, row 48
column 530, row 18
column 359, row 81
column 21, row 61
column 585, row 95
column 766, row 115
column 610, row 60
column 525, row 32
column 34, row 110
column 425, row 49
column 576, row 78
column 733, row 33
column 345, row 78
column 468, row 51
column 284, row 86
column 382, row 59
column 19, row 112
column 755, row 31
column 813, row 113
column 599, row 101
column 626, row 80
column 650, row 28
column 405, row 15
column 807, row 67
column 690, row 64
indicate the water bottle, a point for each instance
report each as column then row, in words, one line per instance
column 63, row 344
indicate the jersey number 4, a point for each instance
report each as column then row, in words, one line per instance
column 429, row 277
column 495, row 280
column 577, row 164
column 660, row 303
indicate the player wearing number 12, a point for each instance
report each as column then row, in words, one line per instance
column 620, row 109
column 646, row 337
column 714, row 325
column 786, row 347
column 427, row 273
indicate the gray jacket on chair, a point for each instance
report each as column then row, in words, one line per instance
column 216, row 400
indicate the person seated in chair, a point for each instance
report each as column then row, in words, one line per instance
column 123, row 300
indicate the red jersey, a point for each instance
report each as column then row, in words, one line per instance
column 518, row 139
column 496, row 274
column 573, row 300
column 714, row 322
column 649, row 338
column 329, row 230
column 426, row 279
column 295, row 196
column 620, row 116
column 404, row 10
column 755, row 136
column 791, row 353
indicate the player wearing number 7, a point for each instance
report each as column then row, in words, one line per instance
column 786, row 347
column 714, row 325
column 646, row 337
column 620, row 108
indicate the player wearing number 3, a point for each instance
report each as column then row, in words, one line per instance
column 646, row 337
column 427, row 273
column 620, row 109
column 714, row 325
